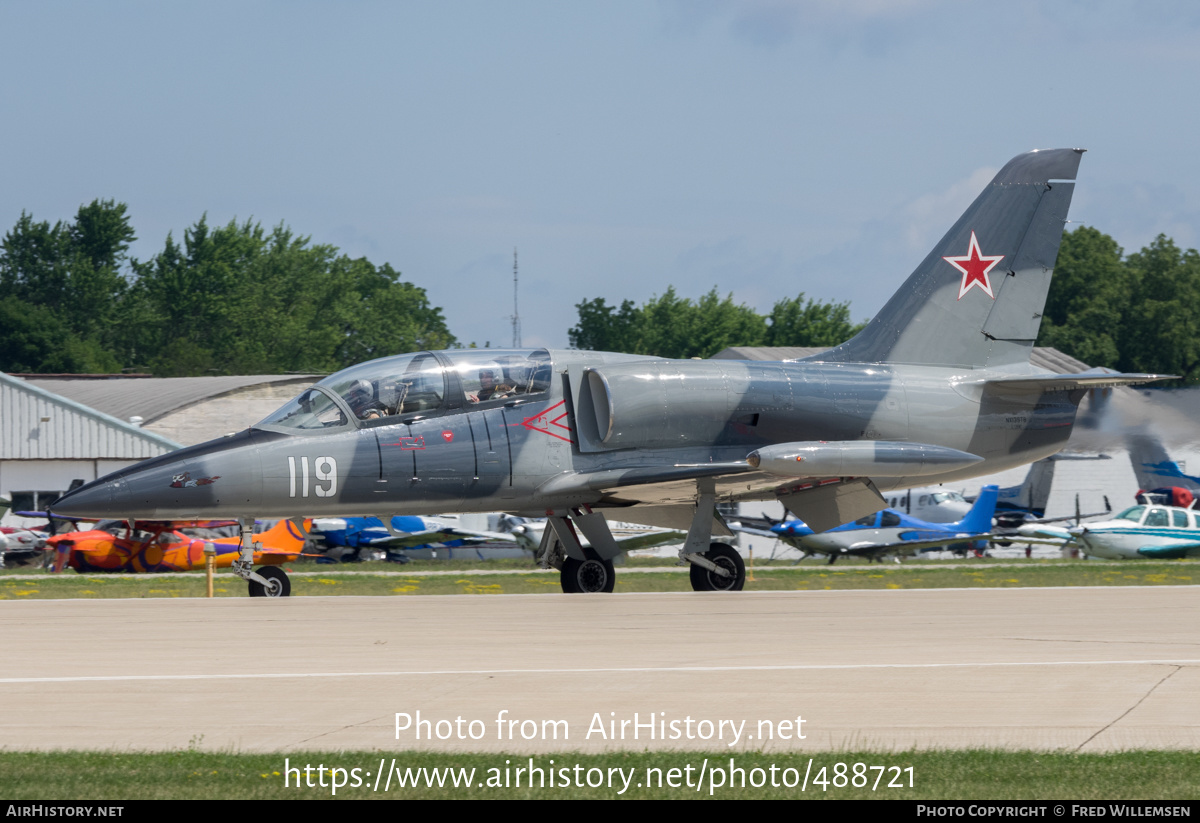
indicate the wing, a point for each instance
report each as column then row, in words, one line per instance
column 446, row 534
column 910, row 546
column 647, row 538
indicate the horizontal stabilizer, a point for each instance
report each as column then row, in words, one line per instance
column 1093, row 379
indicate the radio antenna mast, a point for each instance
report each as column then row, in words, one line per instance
column 516, row 317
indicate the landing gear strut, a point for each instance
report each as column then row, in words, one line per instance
column 716, row 567
column 269, row 581
column 583, row 570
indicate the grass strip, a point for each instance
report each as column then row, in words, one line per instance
column 380, row 579
column 934, row 775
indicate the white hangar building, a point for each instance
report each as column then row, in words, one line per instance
column 56, row 429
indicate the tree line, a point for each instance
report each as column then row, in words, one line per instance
column 241, row 299
column 673, row 326
column 1137, row 313
column 232, row 299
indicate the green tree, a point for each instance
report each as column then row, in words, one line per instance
column 809, row 323
column 78, row 272
column 603, row 327
column 240, row 300
column 1088, row 298
column 674, row 326
column 1162, row 325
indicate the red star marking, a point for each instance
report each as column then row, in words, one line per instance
column 974, row 267
column 546, row 423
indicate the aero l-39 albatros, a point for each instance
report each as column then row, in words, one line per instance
column 938, row 387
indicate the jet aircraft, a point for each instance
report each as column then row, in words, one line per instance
column 890, row 532
column 936, row 388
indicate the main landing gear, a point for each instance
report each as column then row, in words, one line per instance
column 582, row 569
column 715, row 567
column 729, row 574
column 587, row 576
column 269, row 581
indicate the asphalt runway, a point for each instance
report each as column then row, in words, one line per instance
column 1079, row 669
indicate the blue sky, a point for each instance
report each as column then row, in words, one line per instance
column 764, row 147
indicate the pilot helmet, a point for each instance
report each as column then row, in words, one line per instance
column 359, row 395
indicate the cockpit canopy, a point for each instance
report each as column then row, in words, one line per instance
column 397, row 389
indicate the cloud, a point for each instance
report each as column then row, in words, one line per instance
column 771, row 23
column 927, row 218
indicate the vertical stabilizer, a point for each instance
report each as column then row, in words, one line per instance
column 976, row 301
column 979, row 519
column 1154, row 468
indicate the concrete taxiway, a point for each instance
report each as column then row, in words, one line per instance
column 1087, row 669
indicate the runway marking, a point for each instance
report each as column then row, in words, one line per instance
column 606, row 670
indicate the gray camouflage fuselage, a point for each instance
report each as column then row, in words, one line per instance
column 524, row 456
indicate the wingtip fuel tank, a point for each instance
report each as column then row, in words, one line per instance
column 860, row 458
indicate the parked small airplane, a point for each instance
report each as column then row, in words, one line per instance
column 21, row 546
column 1016, row 505
column 158, row 546
column 889, row 532
column 937, row 388
column 1158, row 475
column 1163, row 524
column 406, row 532
column 1157, row 532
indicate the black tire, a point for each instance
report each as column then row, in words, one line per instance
column 587, row 576
column 282, row 586
column 726, row 557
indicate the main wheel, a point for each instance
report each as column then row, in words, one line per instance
column 278, row 584
column 586, row 576
column 725, row 557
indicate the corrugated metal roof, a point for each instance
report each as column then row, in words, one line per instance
column 36, row 424
column 1043, row 357
column 154, row 397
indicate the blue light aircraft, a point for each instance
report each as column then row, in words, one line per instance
column 889, row 532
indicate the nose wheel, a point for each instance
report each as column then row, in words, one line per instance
column 277, row 583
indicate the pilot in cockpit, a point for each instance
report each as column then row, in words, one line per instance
column 363, row 403
column 489, row 388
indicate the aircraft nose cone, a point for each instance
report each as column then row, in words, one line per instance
column 215, row 479
column 95, row 499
